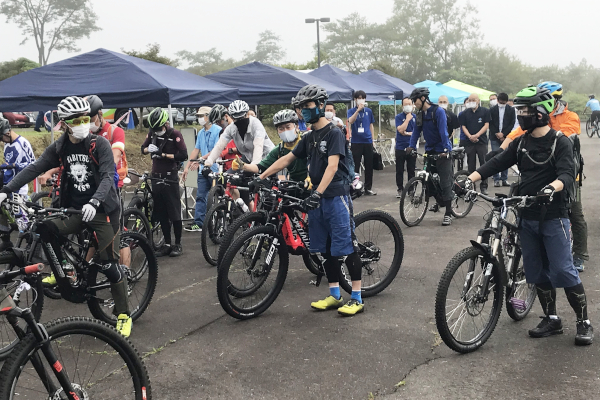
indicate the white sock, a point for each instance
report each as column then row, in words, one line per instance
column 553, row 316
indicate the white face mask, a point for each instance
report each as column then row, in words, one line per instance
column 502, row 105
column 288, row 136
column 201, row 121
column 361, row 101
column 493, row 103
column 407, row 109
column 471, row 104
column 94, row 128
column 80, row 131
column 444, row 105
column 329, row 115
column 160, row 133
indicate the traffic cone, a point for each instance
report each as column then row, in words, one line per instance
column 130, row 121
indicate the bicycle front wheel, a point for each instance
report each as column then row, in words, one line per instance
column 460, row 205
column 466, row 309
column 141, row 269
column 589, row 129
column 97, row 360
column 414, row 201
column 217, row 222
column 252, row 272
column 381, row 249
column 237, row 227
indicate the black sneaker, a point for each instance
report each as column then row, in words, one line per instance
column 399, row 193
column 505, row 183
column 164, row 250
column 370, row 193
column 176, row 251
column 547, row 327
column 497, row 183
column 484, row 190
column 447, row 220
column 434, row 207
column 585, row 334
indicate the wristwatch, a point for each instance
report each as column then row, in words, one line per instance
column 95, row 203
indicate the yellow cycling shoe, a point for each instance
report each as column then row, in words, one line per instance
column 49, row 280
column 328, row 303
column 351, row 308
column 124, row 323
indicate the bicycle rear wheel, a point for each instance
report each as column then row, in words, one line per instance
column 252, row 272
column 26, row 292
column 135, row 221
column 216, row 223
column 381, row 249
column 466, row 316
column 213, row 195
column 414, row 201
column 142, row 276
column 99, row 363
column 520, row 296
column 460, row 206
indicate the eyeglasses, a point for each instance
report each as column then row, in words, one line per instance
column 78, row 121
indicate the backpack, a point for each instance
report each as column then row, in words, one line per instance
column 123, row 170
column 348, row 175
column 571, row 192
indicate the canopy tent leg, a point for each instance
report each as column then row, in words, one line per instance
column 51, row 127
column 170, row 117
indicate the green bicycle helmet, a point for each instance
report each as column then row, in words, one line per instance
column 157, row 119
column 533, row 96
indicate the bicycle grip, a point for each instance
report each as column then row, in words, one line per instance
column 32, row 269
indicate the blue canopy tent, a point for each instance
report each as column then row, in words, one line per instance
column 120, row 81
column 399, row 87
column 437, row 89
column 260, row 83
column 354, row 82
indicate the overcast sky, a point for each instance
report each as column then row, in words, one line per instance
column 538, row 32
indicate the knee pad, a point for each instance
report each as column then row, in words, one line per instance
column 112, row 271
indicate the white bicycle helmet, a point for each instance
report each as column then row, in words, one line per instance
column 72, row 106
column 238, row 109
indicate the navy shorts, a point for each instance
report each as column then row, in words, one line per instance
column 547, row 253
column 332, row 223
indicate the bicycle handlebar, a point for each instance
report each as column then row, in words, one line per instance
column 521, row 201
column 34, row 208
column 4, row 167
column 8, row 275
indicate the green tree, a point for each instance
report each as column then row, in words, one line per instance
column 206, row 62
column 12, row 68
column 53, row 24
column 268, row 49
column 152, row 54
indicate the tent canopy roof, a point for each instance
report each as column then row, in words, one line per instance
column 437, row 89
column 353, row 82
column 397, row 85
column 120, row 81
column 484, row 95
column 260, row 83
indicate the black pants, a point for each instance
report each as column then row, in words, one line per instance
column 358, row 151
column 411, row 161
column 167, row 209
column 475, row 151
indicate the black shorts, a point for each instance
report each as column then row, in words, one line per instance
column 167, row 202
column 595, row 116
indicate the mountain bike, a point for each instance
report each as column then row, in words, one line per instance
column 254, row 267
column 83, row 283
column 592, row 128
column 426, row 183
column 72, row 358
column 142, row 201
column 469, row 295
column 223, row 212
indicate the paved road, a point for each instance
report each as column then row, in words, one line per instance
column 195, row 351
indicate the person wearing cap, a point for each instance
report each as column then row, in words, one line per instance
column 168, row 150
column 205, row 142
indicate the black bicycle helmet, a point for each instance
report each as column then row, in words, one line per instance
column 285, row 116
column 419, row 92
column 310, row 93
column 217, row 113
column 95, row 104
column 158, row 118
column 4, row 126
column 592, row 96
column 533, row 96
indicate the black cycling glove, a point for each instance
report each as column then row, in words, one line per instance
column 257, row 183
column 312, row 202
column 206, row 171
column 545, row 195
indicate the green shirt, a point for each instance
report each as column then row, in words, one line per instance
column 298, row 169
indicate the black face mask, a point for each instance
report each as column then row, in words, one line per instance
column 529, row 122
column 242, row 125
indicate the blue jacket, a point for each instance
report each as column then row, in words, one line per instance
column 436, row 135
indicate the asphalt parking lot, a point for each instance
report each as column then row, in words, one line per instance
column 193, row 350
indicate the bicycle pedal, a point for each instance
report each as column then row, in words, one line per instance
column 518, row 304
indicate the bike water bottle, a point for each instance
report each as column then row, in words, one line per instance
column 242, row 205
column 69, row 271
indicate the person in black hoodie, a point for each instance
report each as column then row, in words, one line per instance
column 545, row 159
